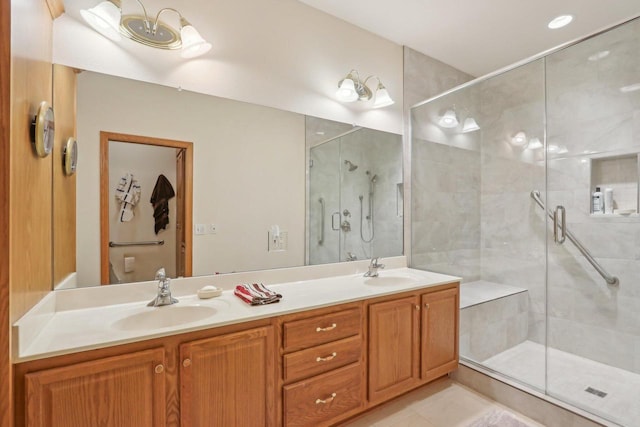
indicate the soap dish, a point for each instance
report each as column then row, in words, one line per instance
column 209, row 292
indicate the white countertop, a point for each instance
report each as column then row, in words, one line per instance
column 68, row 329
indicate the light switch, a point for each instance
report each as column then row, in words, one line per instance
column 213, row 229
column 200, row 229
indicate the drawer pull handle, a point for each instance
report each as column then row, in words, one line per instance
column 328, row 328
column 327, row 358
column 327, row 400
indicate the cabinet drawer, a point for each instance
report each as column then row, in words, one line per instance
column 307, row 333
column 322, row 358
column 317, row 401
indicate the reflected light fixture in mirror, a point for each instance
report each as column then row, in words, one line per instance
column 449, row 119
column 519, row 139
column 107, row 19
column 534, row 143
column 470, row 125
column 352, row 88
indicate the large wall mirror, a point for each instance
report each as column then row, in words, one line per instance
column 270, row 188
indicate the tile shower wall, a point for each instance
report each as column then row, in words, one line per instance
column 590, row 117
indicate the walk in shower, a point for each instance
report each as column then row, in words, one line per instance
column 551, row 284
column 355, row 196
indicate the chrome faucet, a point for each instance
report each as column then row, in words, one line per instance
column 373, row 268
column 164, row 292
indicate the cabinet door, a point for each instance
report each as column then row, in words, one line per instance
column 393, row 347
column 439, row 333
column 229, row 380
column 127, row 390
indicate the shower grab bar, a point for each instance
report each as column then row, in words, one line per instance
column 148, row 243
column 321, row 239
column 611, row 280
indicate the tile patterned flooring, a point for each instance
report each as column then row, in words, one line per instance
column 443, row 403
column 570, row 376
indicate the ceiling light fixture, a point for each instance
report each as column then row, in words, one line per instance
column 352, row 88
column 560, row 21
column 519, row 139
column 470, row 125
column 449, row 119
column 107, row 19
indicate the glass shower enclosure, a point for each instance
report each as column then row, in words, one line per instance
column 526, row 184
column 355, row 196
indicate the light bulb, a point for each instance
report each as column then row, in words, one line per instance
column 470, row 125
column 519, row 139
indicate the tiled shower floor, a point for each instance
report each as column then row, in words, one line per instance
column 568, row 378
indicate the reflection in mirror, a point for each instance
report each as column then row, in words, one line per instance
column 249, row 179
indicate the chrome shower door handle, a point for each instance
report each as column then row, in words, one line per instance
column 333, row 221
column 563, row 224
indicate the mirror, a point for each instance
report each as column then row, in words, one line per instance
column 258, row 175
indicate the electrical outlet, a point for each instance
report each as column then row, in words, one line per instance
column 277, row 244
column 213, row 229
column 200, row 229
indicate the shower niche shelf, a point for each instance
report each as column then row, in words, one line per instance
column 621, row 173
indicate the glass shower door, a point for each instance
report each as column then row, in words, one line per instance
column 593, row 146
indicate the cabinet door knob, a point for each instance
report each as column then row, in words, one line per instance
column 328, row 328
column 159, row 369
column 326, row 358
column 186, row 363
column 417, row 307
column 426, row 306
column 327, row 400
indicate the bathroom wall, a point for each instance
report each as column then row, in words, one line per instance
column 217, row 127
column 125, row 158
column 277, row 53
column 591, row 118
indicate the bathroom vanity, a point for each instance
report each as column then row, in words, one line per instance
column 331, row 349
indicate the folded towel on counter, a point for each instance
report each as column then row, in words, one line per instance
column 256, row 294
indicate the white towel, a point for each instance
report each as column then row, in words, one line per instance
column 128, row 194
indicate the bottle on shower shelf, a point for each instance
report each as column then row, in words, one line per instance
column 608, row 200
column 597, row 202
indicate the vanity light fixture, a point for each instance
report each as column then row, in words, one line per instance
column 107, row 19
column 560, row 21
column 519, row 139
column 352, row 88
column 449, row 119
column 470, row 125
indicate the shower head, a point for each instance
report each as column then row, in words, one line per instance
column 352, row 167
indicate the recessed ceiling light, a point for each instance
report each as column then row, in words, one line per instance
column 560, row 21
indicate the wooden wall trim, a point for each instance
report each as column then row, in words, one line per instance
column 56, row 8
column 6, row 385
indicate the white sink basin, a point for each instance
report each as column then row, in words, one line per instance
column 164, row 317
column 390, row 280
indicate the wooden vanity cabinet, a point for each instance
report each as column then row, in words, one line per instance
column 323, row 366
column 228, row 380
column 125, row 390
column 413, row 339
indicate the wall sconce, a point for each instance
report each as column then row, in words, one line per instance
column 107, row 19
column 470, row 125
column 534, row 143
column 352, row 88
column 449, row 119
column 519, row 139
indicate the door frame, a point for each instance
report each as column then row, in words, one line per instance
column 105, row 137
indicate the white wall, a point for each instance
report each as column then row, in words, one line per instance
column 234, row 187
column 278, row 53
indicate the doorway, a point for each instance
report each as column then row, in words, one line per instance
column 146, row 198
